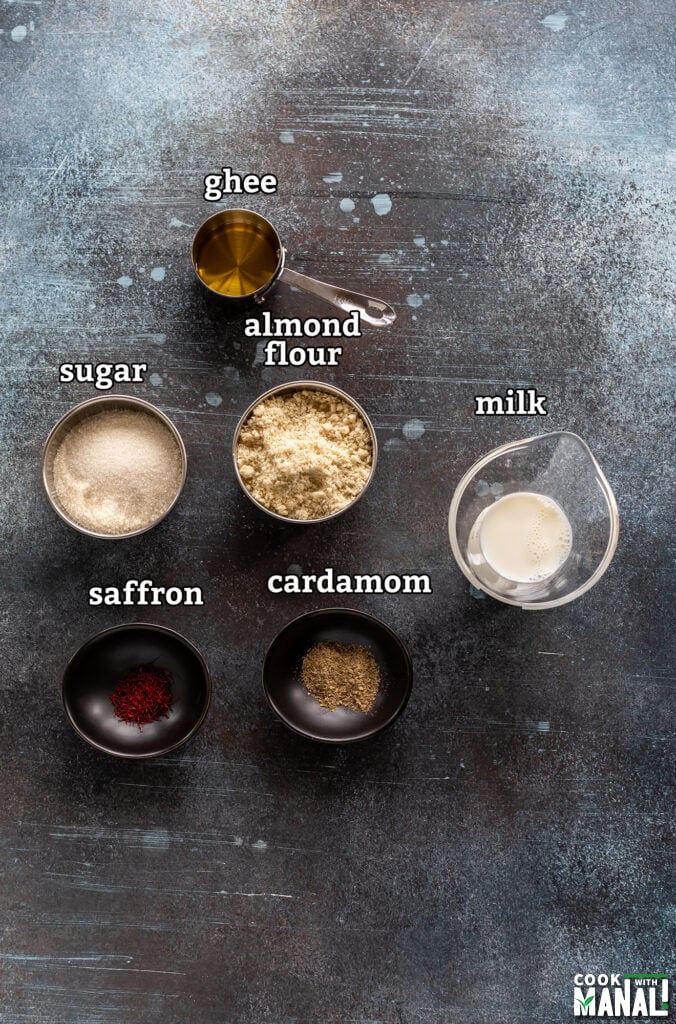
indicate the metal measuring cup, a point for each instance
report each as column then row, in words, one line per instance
column 238, row 255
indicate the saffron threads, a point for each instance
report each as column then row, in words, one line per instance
column 143, row 695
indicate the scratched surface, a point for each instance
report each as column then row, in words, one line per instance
column 499, row 172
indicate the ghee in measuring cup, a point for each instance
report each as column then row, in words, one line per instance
column 236, row 260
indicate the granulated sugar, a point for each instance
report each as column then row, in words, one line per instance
column 117, row 471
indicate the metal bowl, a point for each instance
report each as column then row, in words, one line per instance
column 299, row 710
column 95, row 669
column 307, row 385
column 76, row 415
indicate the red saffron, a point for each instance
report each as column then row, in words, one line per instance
column 143, row 695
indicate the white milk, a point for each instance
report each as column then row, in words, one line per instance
column 524, row 537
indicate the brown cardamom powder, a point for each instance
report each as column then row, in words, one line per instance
column 341, row 675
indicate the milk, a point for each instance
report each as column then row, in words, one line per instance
column 524, row 537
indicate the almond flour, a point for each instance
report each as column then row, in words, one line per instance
column 304, row 454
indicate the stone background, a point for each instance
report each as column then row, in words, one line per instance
column 509, row 830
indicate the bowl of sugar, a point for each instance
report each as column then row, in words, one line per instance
column 114, row 466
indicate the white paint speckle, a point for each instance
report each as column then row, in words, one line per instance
column 347, row 205
column 213, row 398
column 155, row 379
column 382, row 204
column 444, row 241
column 542, row 726
column 125, row 282
column 355, row 220
column 555, row 22
column 176, row 223
column 481, row 488
column 414, row 300
column 158, row 273
column 386, row 257
column 260, row 844
column 419, row 240
column 18, row 33
column 259, row 355
column 413, row 429
column 497, row 489
column 287, row 138
column 334, row 178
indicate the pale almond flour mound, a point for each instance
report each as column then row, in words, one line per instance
column 304, row 454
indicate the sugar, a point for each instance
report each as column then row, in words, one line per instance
column 117, row 471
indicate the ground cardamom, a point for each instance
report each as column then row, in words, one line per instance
column 341, row 675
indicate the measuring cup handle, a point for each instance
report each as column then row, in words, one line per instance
column 373, row 311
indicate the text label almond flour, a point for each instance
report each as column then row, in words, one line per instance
column 298, row 327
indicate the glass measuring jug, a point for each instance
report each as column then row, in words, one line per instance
column 558, row 472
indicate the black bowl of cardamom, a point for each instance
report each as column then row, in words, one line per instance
column 337, row 675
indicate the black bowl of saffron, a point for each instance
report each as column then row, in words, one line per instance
column 137, row 690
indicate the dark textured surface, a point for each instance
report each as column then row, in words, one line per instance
column 511, row 828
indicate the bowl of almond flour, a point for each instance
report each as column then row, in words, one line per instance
column 113, row 467
column 304, row 452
